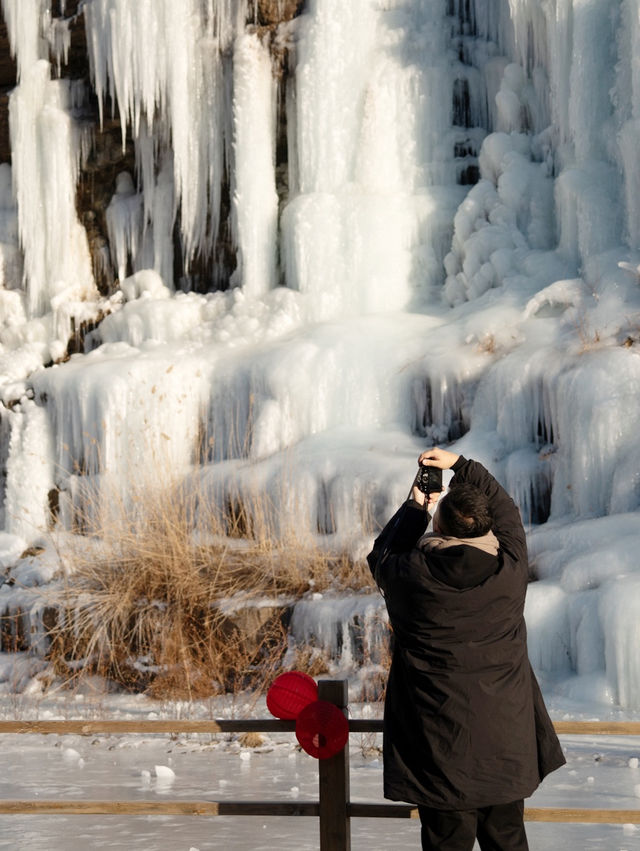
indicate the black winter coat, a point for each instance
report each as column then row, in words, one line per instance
column 465, row 725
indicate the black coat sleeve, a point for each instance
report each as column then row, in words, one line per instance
column 507, row 524
column 400, row 535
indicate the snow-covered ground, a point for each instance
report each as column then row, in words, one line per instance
column 456, row 259
column 600, row 772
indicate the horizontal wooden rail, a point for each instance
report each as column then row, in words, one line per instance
column 597, row 728
column 88, row 728
column 541, row 814
column 159, row 808
column 583, row 816
column 288, row 808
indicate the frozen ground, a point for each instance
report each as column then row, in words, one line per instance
column 600, row 772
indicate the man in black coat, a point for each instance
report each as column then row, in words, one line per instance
column 466, row 734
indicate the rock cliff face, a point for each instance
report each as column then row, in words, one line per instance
column 108, row 157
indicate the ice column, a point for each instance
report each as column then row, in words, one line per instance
column 10, row 255
column 140, row 225
column 559, row 29
column 587, row 190
column 45, row 153
column 620, row 613
column 255, row 200
column 628, row 98
column 29, row 472
column 124, row 223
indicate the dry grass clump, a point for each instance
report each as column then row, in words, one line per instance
column 156, row 609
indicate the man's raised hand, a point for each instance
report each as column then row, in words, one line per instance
column 435, row 457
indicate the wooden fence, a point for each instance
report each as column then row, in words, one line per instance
column 334, row 807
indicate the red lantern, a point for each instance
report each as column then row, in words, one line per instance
column 290, row 693
column 322, row 729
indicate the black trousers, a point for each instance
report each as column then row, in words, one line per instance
column 499, row 828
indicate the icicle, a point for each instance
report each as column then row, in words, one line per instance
column 528, row 479
column 627, row 100
column 352, row 631
column 163, row 218
column 10, row 256
column 629, row 141
column 124, row 222
column 530, row 33
column 60, row 41
column 177, row 90
column 620, row 614
column 560, row 27
column 26, row 23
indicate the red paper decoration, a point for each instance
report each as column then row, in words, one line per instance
column 290, row 693
column 322, row 729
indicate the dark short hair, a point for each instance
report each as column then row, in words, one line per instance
column 464, row 512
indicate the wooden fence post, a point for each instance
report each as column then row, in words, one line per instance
column 335, row 825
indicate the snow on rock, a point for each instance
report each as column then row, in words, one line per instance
column 71, row 755
column 164, row 772
column 11, row 547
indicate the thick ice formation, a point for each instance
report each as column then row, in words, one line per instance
column 255, row 200
column 45, row 159
column 372, row 153
column 453, row 256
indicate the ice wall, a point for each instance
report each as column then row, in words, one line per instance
column 453, row 256
column 553, row 225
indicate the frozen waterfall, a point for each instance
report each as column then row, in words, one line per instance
column 370, row 226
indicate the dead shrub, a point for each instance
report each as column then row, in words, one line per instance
column 251, row 740
column 155, row 609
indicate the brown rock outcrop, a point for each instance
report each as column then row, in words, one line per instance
column 276, row 11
